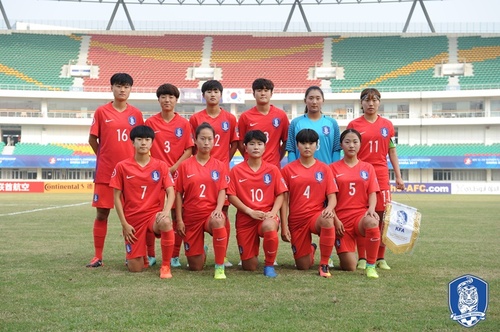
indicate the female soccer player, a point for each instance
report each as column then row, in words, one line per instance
column 201, row 192
column 328, row 148
column 356, row 218
column 140, row 184
column 256, row 190
column 310, row 183
column 377, row 133
column 109, row 139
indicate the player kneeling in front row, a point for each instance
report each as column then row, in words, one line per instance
column 200, row 195
column 256, row 190
column 140, row 184
column 310, row 183
column 356, row 219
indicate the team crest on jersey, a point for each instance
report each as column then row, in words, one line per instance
column 132, row 120
column 96, row 197
column 468, row 300
column 276, row 122
column 225, row 126
column 364, row 175
column 155, row 175
column 319, row 176
column 326, row 130
column 384, row 132
column 128, row 248
column 178, row 132
column 267, row 178
column 215, row 175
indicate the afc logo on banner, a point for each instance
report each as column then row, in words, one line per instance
column 468, row 300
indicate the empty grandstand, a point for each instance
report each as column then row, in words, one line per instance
column 446, row 124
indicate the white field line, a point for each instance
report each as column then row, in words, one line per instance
column 43, row 209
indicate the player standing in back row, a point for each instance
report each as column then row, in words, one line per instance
column 272, row 121
column 109, row 138
column 173, row 144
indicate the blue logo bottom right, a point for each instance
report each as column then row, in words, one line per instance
column 468, row 300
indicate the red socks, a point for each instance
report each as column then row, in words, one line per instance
column 372, row 243
column 167, row 247
column 270, row 246
column 326, row 243
column 100, row 230
column 219, row 239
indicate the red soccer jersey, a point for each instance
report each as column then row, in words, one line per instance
column 143, row 188
column 354, row 184
column 112, row 129
column 375, row 141
column 171, row 138
column 257, row 190
column 225, row 128
column 308, row 189
column 200, row 185
column 274, row 124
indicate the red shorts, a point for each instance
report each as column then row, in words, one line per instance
column 103, row 196
column 383, row 197
column 347, row 243
column 301, row 236
column 139, row 248
column 195, row 237
column 248, row 239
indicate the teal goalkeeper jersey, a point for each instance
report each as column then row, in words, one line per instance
column 329, row 138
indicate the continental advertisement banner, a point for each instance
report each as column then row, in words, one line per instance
column 49, row 187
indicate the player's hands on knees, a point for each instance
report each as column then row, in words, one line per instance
column 258, row 215
column 162, row 216
column 339, row 226
column 181, row 228
column 217, row 214
column 328, row 213
column 128, row 233
column 372, row 213
column 269, row 215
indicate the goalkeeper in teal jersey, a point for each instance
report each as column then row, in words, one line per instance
column 328, row 149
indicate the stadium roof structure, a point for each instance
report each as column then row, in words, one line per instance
column 289, row 3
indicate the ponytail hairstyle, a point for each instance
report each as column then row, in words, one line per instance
column 312, row 88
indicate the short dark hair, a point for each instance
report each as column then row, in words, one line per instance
column 347, row 131
column 203, row 125
column 307, row 135
column 167, row 89
column 121, row 78
column 369, row 92
column 142, row 132
column 211, row 85
column 255, row 134
column 262, row 83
